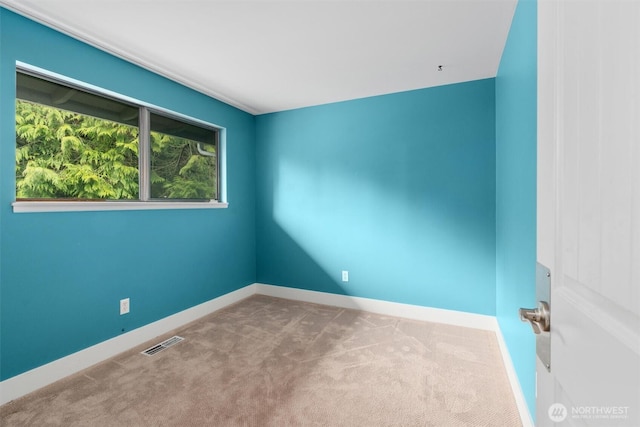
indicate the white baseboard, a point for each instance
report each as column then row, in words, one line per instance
column 521, row 403
column 416, row 312
column 44, row 375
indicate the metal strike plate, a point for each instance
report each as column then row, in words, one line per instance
column 540, row 317
column 543, row 294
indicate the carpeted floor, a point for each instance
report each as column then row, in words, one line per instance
column 272, row 362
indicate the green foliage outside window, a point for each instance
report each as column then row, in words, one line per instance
column 178, row 171
column 67, row 155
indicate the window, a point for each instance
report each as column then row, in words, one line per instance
column 78, row 145
column 183, row 160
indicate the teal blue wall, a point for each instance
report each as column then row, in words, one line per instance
column 62, row 274
column 398, row 189
column 427, row 197
column 516, row 95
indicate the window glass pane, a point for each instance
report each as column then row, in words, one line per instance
column 78, row 144
column 64, row 154
column 41, row 91
column 181, row 129
column 184, row 163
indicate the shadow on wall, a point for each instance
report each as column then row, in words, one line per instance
column 299, row 269
column 399, row 190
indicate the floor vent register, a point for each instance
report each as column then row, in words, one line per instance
column 162, row 346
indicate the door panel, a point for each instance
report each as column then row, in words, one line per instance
column 589, row 209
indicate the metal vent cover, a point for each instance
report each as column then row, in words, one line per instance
column 162, row 346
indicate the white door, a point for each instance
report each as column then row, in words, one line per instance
column 589, row 210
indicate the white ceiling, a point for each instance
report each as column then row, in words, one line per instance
column 264, row 56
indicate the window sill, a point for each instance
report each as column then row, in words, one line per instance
column 62, row 206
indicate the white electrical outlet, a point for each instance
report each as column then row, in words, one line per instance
column 124, row 306
column 345, row 276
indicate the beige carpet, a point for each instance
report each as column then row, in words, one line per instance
column 272, row 362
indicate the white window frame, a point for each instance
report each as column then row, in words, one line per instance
column 122, row 205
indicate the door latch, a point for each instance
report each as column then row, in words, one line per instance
column 539, row 317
